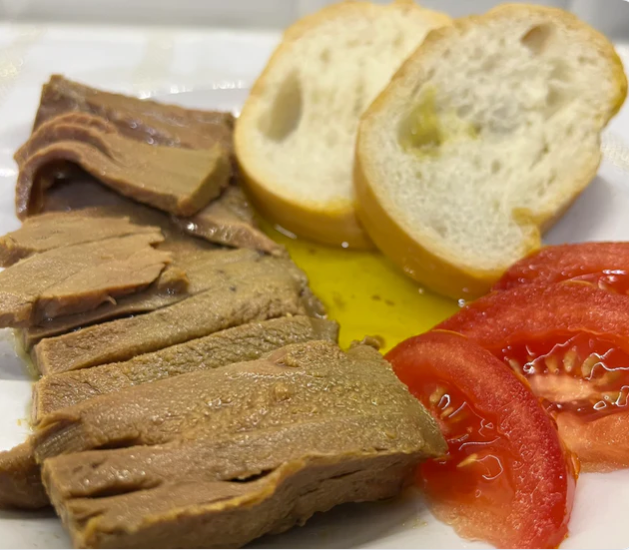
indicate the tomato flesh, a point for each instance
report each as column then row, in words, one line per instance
column 493, row 483
column 584, row 375
column 476, row 451
column 571, row 343
column 603, row 264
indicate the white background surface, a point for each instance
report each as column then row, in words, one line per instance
column 212, row 68
column 241, row 13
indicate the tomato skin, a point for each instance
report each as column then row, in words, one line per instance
column 531, row 313
column 605, row 264
column 529, row 505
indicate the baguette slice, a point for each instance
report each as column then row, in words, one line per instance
column 483, row 138
column 296, row 135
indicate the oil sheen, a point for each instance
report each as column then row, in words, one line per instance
column 364, row 292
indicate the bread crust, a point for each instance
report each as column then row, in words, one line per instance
column 426, row 262
column 334, row 224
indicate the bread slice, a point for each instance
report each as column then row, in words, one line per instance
column 296, row 135
column 483, row 138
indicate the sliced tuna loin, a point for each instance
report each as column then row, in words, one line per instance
column 297, row 383
column 233, row 490
column 192, row 267
column 20, row 483
column 243, row 343
column 228, row 220
column 80, row 191
column 179, row 181
column 237, row 293
column 139, row 119
column 220, row 457
column 55, row 230
column 78, row 278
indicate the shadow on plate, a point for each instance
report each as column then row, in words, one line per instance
column 353, row 525
column 28, row 515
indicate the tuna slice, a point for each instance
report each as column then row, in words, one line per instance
column 237, row 293
column 178, row 181
column 20, row 479
column 220, row 457
column 20, row 482
column 229, row 221
column 79, row 191
column 139, row 119
column 197, row 267
column 55, row 230
column 243, row 343
column 78, row 278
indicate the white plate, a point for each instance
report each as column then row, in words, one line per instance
column 601, row 213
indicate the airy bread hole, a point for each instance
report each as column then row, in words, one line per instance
column 536, row 38
column 439, row 227
column 464, row 110
column 325, row 55
column 489, row 64
column 561, row 72
column 556, row 98
column 496, row 166
column 541, row 155
column 284, row 116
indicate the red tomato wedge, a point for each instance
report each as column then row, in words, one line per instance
column 506, row 478
column 571, row 343
column 605, row 265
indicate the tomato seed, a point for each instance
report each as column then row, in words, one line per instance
column 467, row 461
column 552, row 364
column 569, row 360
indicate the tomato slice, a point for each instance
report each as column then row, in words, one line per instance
column 506, row 477
column 571, row 343
column 605, row 265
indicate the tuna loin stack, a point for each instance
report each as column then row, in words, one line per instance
column 192, row 391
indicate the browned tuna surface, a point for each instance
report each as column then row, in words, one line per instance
column 78, row 278
column 243, row 343
column 176, row 180
column 237, row 293
column 139, row 119
column 229, row 220
column 294, row 384
column 55, row 230
column 220, row 457
column 20, row 479
column 195, row 267
column 80, row 191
